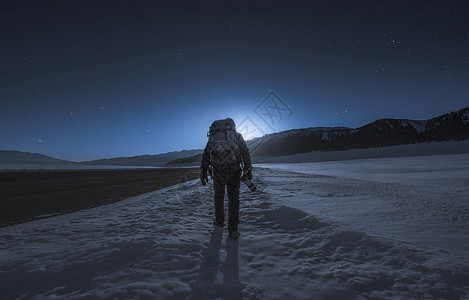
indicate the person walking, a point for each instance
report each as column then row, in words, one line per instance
column 225, row 156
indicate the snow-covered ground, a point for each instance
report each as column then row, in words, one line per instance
column 420, row 200
column 378, row 228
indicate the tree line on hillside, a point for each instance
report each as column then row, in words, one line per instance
column 380, row 133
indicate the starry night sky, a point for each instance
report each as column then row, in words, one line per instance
column 83, row 80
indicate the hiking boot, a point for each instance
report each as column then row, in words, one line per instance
column 234, row 235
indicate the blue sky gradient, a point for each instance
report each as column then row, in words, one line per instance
column 84, row 80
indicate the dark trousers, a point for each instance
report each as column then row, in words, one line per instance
column 229, row 177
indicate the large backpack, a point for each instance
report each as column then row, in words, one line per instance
column 223, row 144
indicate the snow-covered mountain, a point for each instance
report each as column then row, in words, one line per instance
column 380, row 133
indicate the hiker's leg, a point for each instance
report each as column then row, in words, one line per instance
column 233, row 201
column 219, row 189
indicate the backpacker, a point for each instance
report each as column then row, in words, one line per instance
column 224, row 150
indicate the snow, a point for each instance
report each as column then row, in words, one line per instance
column 358, row 229
column 465, row 117
column 418, row 125
column 389, row 124
column 407, row 193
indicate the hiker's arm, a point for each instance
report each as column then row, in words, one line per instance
column 243, row 149
column 205, row 162
column 204, row 165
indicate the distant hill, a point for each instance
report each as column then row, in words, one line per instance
column 18, row 157
column 157, row 160
column 15, row 159
column 191, row 160
column 453, row 126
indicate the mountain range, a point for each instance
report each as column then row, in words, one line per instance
column 18, row 157
column 452, row 126
column 157, row 160
column 10, row 158
column 380, row 133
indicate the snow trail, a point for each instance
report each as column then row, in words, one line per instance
column 294, row 244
